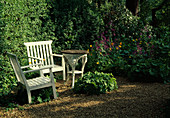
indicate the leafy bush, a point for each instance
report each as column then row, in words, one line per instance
column 129, row 48
column 77, row 23
column 95, row 83
column 20, row 21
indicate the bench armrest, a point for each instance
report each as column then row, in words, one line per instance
column 23, row 67
column 35, row 58
column 42, row 68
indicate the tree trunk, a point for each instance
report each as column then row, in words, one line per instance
column 133, row 6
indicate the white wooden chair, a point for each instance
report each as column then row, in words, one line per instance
column 34, row 83
column 41, row 51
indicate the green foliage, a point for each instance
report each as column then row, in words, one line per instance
column 95, row 83
column 121, row 43
column 42, row 95
column 129, row 48
column 162, row 14
column 71, row 24
column 19, row 97
column 77, row 23
column 21, row 21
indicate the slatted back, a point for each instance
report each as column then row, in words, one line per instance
column 16, row 67
column 40, row 49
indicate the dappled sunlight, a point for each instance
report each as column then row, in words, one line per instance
column 88, row 104
column 74, row 106
column 131, row 86
column 124, row 88
column 125, row 98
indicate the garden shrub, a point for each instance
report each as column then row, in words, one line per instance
column 95, row 83
column 77, row 24
column 20, row 21
column 129, row 47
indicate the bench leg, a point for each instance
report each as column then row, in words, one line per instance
column 54, row 91
column 29, row 96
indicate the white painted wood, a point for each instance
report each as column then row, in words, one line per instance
column 72, row 60
column 33, row 83
column 43, row 54
column 48, row 55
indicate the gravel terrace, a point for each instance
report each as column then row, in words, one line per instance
column 131, row 100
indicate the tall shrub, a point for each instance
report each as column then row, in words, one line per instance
column 21, row 21
column 77, row 23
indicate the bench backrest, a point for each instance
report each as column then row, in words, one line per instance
column 17, row 68
column 41, row 50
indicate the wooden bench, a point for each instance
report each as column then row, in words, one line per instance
column 33, row 83
column 41, row 52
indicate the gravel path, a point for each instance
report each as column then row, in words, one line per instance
column 131, row 100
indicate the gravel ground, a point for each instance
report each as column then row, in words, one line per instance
column 131, row 100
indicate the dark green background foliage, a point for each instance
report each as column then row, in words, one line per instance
column 162, row 14
column 95, row 83
column 77, row 23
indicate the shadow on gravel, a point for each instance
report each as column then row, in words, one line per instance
column 132, row 100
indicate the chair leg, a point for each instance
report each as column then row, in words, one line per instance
column 54, row 91
column 64, row 75
column 73, row 76
column 64, row 70
column 29, row 96
column 67, row 72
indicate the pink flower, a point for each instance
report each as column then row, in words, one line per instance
column 149, row 37
column 113, row 29
column 101, row 41
column 98, row 47
column 114, row 34
column 104, row 37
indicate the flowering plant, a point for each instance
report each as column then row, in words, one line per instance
column 135, row 54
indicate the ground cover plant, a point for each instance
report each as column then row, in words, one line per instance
column 95, row 83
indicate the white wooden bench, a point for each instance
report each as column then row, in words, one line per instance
column 41, row 51
column 34, row 83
